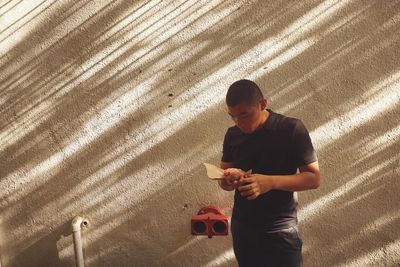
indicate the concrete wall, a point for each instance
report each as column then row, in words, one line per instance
column 109, row 109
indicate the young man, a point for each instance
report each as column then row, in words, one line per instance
column 264, row 219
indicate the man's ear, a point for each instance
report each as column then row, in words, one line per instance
column 263, row 104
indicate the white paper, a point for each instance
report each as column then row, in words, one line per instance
column 214, row 172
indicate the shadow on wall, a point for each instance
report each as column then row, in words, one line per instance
column 109, row 109
column 45, row 248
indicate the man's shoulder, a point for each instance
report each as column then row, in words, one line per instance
column 284, row 123
column 233, row 130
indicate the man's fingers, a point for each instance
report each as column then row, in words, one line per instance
column 247, row 193
column 249, row 179
column 252, row 197
column 233, row 177
column 245, row 187
column 247, row 175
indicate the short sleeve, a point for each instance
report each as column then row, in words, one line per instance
column 303, row 150
column 226, row 149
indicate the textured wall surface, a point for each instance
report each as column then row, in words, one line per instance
column 109, row 109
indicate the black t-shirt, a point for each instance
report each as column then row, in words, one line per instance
column 279, row 147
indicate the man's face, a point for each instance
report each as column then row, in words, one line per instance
column 247, row 117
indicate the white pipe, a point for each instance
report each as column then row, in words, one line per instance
column 77, row 222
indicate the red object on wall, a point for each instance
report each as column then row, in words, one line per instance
column 209, row 221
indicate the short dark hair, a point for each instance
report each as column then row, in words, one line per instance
column 243, row 91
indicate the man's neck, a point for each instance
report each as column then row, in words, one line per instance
column 264, row 118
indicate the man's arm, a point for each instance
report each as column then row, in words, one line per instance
column 308, row 178
column 225, row 184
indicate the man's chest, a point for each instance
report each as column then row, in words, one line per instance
column 262, row 153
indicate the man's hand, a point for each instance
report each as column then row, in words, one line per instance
column 232, row 177
column 255, row 185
